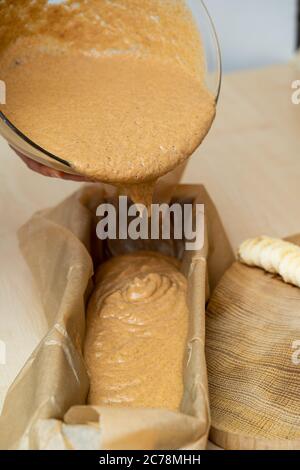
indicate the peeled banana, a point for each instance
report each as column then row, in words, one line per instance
column 274, row 256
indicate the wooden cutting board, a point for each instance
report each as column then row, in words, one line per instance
column 253, row 356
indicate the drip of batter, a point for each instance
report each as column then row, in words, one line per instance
column 125, row 111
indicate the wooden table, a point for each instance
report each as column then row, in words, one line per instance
column 250, row 164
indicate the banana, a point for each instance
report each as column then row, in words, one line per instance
column 274, row 256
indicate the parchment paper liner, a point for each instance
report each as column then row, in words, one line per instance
column 45, row 406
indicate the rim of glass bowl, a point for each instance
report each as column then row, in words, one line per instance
column 26, row 139
column 218, row 51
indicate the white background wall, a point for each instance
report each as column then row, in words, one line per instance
column 254, row 33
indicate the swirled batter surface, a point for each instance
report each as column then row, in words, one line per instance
column 137, row 325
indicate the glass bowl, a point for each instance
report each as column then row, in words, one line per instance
column 24, row 145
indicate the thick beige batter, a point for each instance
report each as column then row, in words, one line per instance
column 137, row 325
column 125, row 111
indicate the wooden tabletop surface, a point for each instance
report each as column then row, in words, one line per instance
column 250, row 164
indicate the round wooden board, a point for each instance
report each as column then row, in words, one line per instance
column 253, row 326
